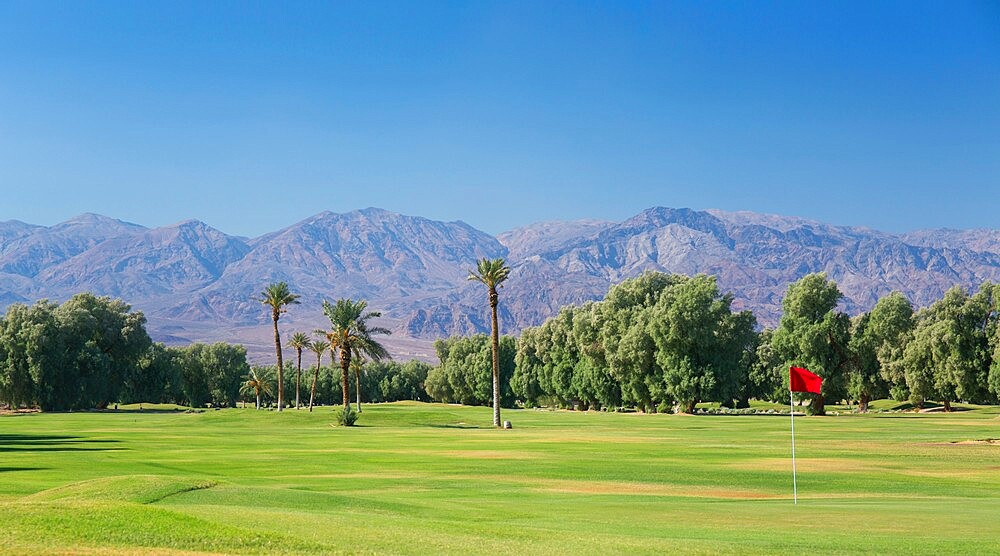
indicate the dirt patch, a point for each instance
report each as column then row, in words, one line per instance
column 583, row 439
column 487, row 454
column 959, row 422
column 806, row 465
column 987, row 441
column 384, row 476
column 940, row 409
column 106, row 551
column 948, row 473
column 471, row 454
column 645, row 489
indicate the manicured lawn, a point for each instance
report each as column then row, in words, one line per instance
column 423, row 479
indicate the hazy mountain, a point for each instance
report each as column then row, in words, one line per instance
column 138, row 264
column 390, row 259
column 757, row 256
column 30, row 249
column 987, row 241
column 197, row 283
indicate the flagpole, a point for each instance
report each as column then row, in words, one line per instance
column 791, row 412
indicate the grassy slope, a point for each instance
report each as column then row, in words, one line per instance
column 433, row 478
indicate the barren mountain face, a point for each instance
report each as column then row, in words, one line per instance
column 197, row 283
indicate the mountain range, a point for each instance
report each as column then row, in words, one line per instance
column 196, row 283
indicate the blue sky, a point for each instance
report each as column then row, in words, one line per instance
column 252, row 116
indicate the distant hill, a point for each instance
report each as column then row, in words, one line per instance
column 197, row 283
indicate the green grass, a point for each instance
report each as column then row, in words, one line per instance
column 420, row 479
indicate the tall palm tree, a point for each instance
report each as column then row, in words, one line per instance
column 357, row 361
column 257, row 384
column 299, row 341
column 278, row 297
column 317, row 347
column 493, row 273
column 350, row 334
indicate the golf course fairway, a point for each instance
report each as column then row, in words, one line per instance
column 417, row 478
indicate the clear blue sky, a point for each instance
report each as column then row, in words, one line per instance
column 252, row 116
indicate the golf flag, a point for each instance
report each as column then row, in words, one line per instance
column 804, row 381
column 800, row 380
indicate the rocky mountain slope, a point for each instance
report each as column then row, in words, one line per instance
column 197, row 283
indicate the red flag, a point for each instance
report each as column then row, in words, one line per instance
column 803, row 380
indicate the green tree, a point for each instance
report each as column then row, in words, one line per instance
column 299, row 341
column 465, row 373
column 390, row 381
column 814, row 335
column 654, row 340
column 700, row 344
column 226, row 365
column 278, row 297
column 493, row 273
column 194, row 377
column 592, row 379
column 878, row 341
column 33, row 365
column 625, row 334
column 891, row 327
column 350, row 334
column 527, row 365
column 106, row 341
column 256, row 384
column 317, row 347
column 213, row 373
column 993, row 378
column 864, row 381
column 157, row 379
column 766, row 373
column 357, row 364
column 948, row 357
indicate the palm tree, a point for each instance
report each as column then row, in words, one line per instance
column 256, row 384
column 350, row 334
column 357, row 361
column 299, row 341
column 277, row 296
column 318, row 347
column 492, row 273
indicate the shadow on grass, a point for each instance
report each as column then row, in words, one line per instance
column 53, row 443
column 456, row 426
column 133, row 411
column 6, row 469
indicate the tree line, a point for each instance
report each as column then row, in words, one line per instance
column 660, row 342
column 90, row 352
column 93, row 352
column 656, row 342
column 380, row 382
column 663, row 342
column 351, row 340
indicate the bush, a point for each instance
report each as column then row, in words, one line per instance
column 346, row 416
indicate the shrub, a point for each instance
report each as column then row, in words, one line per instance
column 346, row 416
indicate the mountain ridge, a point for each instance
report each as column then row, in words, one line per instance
column 196, row 282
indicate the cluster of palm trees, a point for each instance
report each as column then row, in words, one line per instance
column 351, row 339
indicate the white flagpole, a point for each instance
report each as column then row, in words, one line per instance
column 795, row 488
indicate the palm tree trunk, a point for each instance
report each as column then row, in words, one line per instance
column 277, row 350
column 298, row 378
column 312, row 395
column 357, row 385
column 258, row 400
column 345, row 363
column 496, row 357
